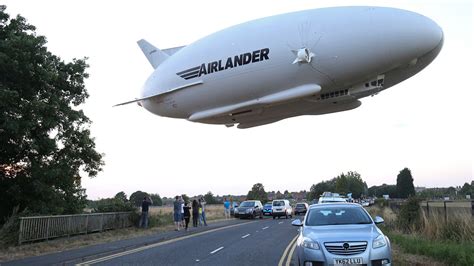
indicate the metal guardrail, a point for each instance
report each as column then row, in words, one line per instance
column 47, row 227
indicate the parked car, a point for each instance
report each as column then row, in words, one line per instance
column 267, row 208
column 281, row 208
column 338, row 234
column 233, row 207
column 329, row 199
column 301, row 208
column 249, row 208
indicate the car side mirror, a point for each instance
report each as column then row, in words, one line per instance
column 297, row 222
column 378, row 220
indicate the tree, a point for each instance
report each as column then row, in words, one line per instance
column 258, row 193
column 45, row 142
column 466, row 189
column 405, row 187
column 384, row 189
column 156, row 199
column 318, row 189
column 210, row 199
column 121, row 196
column 185, row 197
column 137, row 197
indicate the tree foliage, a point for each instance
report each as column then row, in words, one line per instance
column 156, row 200
column 351, row 182
column 405, row 187
column 137, row 197
column 45, row 142
column 257, row 193
column 384, row 189
column 210, row 199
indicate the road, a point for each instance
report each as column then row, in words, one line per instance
column 232, row 242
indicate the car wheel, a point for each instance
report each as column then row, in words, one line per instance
column 273, row 217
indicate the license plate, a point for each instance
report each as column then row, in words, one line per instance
column 241, row 212
column 348, row 261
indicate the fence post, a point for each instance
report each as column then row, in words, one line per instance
column 427, row 208
column 21, row 230
column 102, row 222
column 47, row 228
column 69, row 224
column 87, row 223
column 445, row 212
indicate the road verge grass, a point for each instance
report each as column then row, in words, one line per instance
column 449, row 252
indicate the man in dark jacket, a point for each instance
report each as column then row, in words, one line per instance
column 195, row 213
column 145, row 207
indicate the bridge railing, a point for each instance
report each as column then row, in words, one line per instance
column 47, row 227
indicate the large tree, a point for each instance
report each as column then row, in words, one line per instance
column 405, row 187
column 45, row 142
column 137, row 197
column 258, row 193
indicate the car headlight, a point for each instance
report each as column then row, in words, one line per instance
column 249, row 210
column 308, row 243
column 379, row 242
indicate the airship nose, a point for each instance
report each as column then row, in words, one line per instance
column 430, row 35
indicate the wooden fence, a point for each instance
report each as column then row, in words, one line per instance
column 47, row 227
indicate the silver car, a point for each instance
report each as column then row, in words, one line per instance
column 341, row 234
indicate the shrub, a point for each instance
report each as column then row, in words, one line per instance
column 409, row 217
column 10, row 230
column 381, row 202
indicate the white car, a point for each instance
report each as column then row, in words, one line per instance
column 281, row 208
column 331, row 199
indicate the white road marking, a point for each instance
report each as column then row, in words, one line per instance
column 245, row 236
column 280, row 222
column 197, row 260
column 128, row 252
column 212, row 252
column 266, row 227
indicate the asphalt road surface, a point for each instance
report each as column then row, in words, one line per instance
column 231, row 242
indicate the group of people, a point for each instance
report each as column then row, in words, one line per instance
column 182, row 212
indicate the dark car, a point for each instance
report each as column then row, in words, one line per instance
column 233, row 207
column 301, row 208
column 250, row 209
column 267, row 209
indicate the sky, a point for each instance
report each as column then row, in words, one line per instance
column 424, row 123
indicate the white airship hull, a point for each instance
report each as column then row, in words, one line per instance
column 304, row 63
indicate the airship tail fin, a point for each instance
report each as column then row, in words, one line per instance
column 154, row 55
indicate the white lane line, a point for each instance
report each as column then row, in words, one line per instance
column 212, row 252
column 280, row 222
column 245, row 236
column 266, row 227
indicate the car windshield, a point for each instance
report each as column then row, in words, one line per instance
column 247, row 204
column 268, row 205
column 279, row 203
column 337, row 215
column 300, row 205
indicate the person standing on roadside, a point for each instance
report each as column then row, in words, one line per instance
column 187, row 215
column 145, row 207
column 195, row 213
column 177, row 212
column 203, row 210
column 226, row 208
column 182, row 210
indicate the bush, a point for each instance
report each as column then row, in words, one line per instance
column 409, row 216
column 381, row 202
column 113, row 205
column 10, row 230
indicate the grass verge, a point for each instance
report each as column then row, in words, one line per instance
column 451, row 253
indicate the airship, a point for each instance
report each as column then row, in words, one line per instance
column 309, row 62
